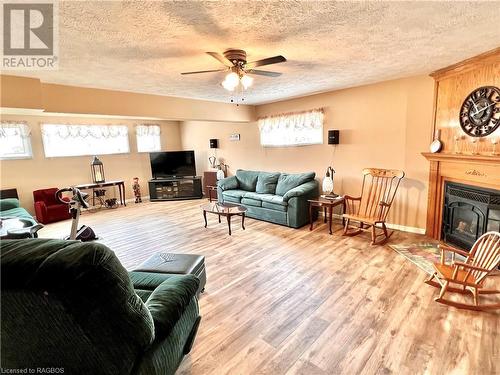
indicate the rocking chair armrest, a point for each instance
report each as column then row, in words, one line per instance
column 453, row 250
column 384, row 204
column 476, row 268
column 352, row 198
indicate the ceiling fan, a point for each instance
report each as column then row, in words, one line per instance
column 235, row 61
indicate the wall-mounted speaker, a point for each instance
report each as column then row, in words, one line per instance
column 333, row 137
column 214, row 143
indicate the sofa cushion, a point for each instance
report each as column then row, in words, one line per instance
column 274, row 199
column 233, row 195
column 251, row 202
column 266, row 182
column 274, row 206
column 228, row 183
column 247, row 180
column 289, row 181
column 19, row 213
column 169, row 300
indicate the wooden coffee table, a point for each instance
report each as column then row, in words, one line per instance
column 327, row 205
column 225, row 209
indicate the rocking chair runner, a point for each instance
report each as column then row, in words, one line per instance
column 483, row 258
column 370, row 209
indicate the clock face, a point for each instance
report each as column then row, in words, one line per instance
column 480, row 112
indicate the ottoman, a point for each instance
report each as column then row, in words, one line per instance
column 176, row 264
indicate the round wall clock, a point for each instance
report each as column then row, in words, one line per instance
column 480, row 112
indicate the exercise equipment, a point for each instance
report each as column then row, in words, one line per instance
column 77, row 201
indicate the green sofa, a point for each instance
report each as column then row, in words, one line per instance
column 9, row 207
column 71, row 305
column 279, row 198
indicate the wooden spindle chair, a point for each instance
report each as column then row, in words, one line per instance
column 369, row 210
column 470, row 275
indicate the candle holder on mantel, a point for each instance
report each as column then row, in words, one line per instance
column 494, row 141
column 456, row 140
column 474, row 142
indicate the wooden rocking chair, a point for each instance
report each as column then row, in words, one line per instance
column 483, row 258
column 370, row 209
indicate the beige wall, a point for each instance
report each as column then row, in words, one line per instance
column 383, row 125
column 31, row 93
column 41, row 172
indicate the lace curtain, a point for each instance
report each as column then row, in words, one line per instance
column 75, row 140
column 148, row 138
column 11, row 128
column 305, row 128
column 15, row 142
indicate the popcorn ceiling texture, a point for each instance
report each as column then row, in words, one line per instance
column 144, row 46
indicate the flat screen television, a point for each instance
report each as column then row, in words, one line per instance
column 172, row 164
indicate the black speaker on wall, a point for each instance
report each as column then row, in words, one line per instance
column 333, row 137
column 214, row 143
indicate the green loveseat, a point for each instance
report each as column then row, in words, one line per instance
column 71, row 305
column 9, row 207
column 280, row 198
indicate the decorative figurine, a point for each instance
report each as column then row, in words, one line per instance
column 137, row 190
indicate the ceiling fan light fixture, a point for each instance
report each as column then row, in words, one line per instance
column 246, row 81
column 228, row 86
column 231, row 80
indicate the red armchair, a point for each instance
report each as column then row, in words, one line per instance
column 47, row 208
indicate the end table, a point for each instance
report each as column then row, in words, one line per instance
column 327, row 205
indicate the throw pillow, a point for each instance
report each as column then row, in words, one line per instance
column 266, row 183
column 287, row 181
column 247, row 180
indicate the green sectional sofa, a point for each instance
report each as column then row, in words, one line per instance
column 71, row 307
column 280, row 198
column 9, row 207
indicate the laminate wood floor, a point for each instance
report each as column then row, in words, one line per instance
column 291, row 301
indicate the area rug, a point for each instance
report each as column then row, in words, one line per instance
column 423, row 254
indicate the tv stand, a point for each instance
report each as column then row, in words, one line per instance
column 175, row 188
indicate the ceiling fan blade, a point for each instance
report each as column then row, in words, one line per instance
column 221, row 58
column 263, row 73
column 268, row 61
column 204, row 71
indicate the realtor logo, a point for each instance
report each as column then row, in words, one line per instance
column 30, row 33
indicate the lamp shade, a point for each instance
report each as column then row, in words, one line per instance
column 220, row 174
column 328, row 181
column 327, row 185
column 97, row 170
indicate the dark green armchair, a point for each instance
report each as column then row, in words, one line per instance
column 71, row 305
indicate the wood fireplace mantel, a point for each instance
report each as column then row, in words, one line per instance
column 461, row 158
column 452, row 85
column 475, row 170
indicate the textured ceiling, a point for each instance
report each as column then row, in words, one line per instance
column 144, row 46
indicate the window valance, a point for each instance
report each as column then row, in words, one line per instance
column 15, row 128
column 292, row 129
column 148, row 137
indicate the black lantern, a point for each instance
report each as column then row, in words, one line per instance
column 97, row 170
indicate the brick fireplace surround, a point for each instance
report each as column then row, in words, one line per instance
column 460, row 161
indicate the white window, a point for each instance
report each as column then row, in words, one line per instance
column 15, row 142
column 75, row 140
column 294, row 129
column 148, row 138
